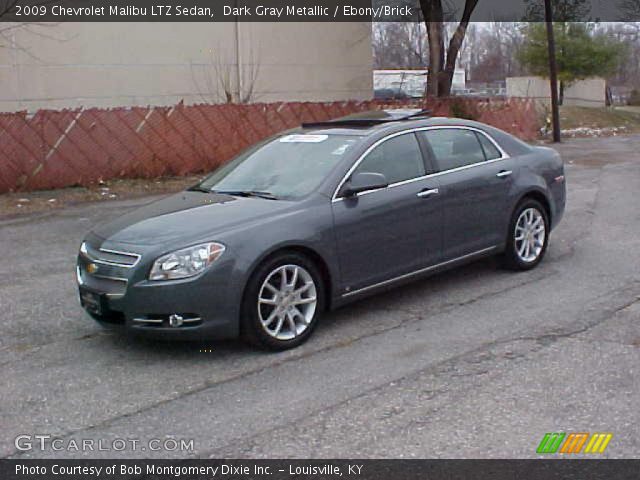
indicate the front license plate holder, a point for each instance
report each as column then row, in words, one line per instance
column 92, row 302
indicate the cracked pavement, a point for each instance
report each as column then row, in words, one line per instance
column 476, row 362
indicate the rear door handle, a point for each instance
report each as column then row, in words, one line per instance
column 504, row 174
column 429, row 193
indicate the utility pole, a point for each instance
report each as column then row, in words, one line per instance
column 553, row 71
column 236, row 33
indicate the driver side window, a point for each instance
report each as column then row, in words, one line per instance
column 398, row 159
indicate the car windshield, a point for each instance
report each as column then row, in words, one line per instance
column 287, row 167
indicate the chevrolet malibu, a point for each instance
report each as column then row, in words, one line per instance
column 317, row 217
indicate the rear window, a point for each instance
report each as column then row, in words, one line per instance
column 454, row 148
column 490, row 150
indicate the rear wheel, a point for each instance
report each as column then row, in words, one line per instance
column 528, row 236
column 283, row 301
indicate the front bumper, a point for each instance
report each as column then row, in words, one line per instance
column 120, row 296
column 559, row 194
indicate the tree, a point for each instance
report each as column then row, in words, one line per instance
column 9, row 31
column 628, row 72
column 399, row 45
column 6, row 6
column 629, row 8
column 491, row 50
column 563, row 10
column 442, row 63
column 222, row 80
column 580, row 53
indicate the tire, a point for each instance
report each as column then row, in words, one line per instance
column 527, row 220
column 269, row 307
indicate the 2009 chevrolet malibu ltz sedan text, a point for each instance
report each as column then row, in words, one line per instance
column 316, row 217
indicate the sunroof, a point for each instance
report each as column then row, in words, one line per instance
column 371, row 118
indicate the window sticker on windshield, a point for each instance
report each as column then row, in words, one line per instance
column 304, row 138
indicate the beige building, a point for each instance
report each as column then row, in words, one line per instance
column 69, row 65
column 591, row 92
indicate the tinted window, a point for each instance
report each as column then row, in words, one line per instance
column 490, row 149
column 454, row 148
column 398, row 159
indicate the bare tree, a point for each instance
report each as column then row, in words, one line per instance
column 221, row 80
column 442, row 63
column 630, row 9
column 6, row 6
column 563, row 10
column 399, row 45
column 628, row 34
column 494, row 47
column 11, row 31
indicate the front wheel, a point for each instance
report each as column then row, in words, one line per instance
column 528, row 236
column 283, row 301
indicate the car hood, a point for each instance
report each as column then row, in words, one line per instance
column 187, row 216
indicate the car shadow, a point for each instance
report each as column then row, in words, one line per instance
column 386, row 301
column 421, row 289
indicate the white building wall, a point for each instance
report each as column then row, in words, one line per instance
column 124, row 64
column 591, row 92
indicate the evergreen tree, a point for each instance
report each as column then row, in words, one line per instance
column 580, row 52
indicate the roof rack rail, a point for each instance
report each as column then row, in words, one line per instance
column 378, row 117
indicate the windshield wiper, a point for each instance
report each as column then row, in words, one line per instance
column 247, row 193
column 199, row 188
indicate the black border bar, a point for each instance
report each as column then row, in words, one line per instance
column 297, row 11
column 553, row 469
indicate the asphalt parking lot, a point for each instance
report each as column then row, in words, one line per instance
column 477, row 362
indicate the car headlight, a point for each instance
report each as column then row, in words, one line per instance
column 186, row 262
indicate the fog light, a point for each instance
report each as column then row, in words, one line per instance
column 175, row 320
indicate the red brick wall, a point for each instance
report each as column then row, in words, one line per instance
column 53, row 149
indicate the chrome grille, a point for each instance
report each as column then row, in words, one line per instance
column 111, row 286
column 110, row 257
column 104, row 270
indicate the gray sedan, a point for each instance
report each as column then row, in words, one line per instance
column 317, row 217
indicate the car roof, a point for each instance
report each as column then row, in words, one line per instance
column 384, row 121
column 373, row 125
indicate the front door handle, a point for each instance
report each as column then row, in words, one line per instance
column 504, row 174
column 429, row 193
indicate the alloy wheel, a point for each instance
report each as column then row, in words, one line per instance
column 530, row 235
column 287, row 302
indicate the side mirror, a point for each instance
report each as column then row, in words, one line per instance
column 363, row 182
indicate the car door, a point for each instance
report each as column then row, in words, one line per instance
column 385, row 233
column 475, row 178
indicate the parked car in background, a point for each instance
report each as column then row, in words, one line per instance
column 389, row 94
column 314, row 218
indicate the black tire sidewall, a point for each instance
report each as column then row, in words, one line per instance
column 512, row 259
column 251, row 326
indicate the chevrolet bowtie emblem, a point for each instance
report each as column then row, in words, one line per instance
column 92, row 268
